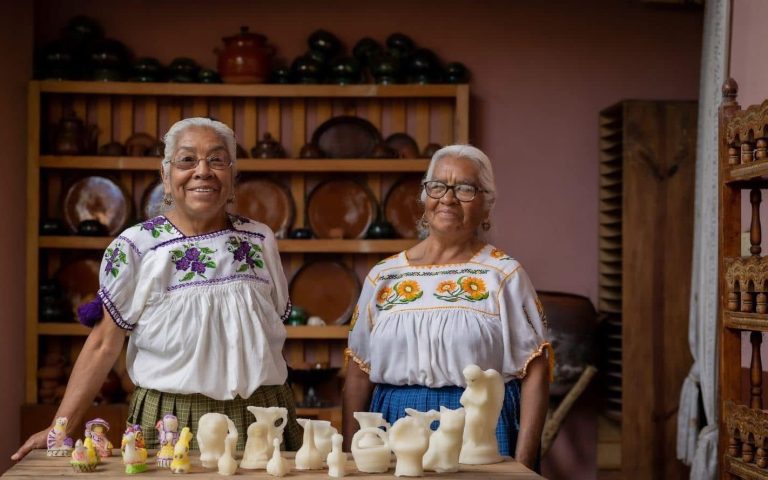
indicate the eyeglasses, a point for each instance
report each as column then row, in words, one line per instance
column 462, row 191
column 189, row 162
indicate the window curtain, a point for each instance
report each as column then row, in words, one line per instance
column 697, row 430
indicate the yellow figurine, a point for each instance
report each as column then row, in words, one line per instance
column 134, row 453
column 81, row 461
column 168, row 435
column 180, row 463
column 89, row 447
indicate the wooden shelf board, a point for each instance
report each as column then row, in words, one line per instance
column 746, row 321
column 330, row 332
column 254, row 90
column 285, row 246
column 754, row 171
column 243, row 165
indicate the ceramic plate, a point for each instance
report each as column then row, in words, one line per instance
column 347, row 137
column 79, row 280
column 403, row 144
column 152, row 200
column 327, row 289
column 402, row 207
column 340, row 209
column 266, row 201
column 96, row 198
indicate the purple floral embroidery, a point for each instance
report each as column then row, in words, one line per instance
column 157, row 225
column 246, row 253
column 194, row 259
column 114, row 258
column 239, row 220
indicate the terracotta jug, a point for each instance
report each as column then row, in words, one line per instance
column 246, row 58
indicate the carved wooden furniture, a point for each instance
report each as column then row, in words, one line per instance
column 290, row 113
column 647, row 160
column 743, row 310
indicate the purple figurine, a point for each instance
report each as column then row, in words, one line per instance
column 59, row 444
column 96, row 430
column 168, row 434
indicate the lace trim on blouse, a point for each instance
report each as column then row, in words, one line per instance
column 349, row 354
column 537, row 353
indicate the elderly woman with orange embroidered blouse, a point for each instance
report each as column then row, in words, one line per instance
column 450, row 301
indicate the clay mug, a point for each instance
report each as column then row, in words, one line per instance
column 246, row 58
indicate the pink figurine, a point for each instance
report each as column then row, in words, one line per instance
column 168, row 435
column 96, row 430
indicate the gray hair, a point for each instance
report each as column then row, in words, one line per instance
column 485, row 178
column 222, row 130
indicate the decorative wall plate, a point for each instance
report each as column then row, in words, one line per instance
column 346, row 137
column 266, row 201
column 327, row 289
column 404, row 144
column 152, row 200
column 340, row 209
column 402, row 207
column 96, row 198
column 80, row 280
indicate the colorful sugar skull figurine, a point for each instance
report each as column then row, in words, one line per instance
column 96, row 430
column 134, row 453
column 180, row 463
column 59, row 444
column 80, row 461
column 168, row 435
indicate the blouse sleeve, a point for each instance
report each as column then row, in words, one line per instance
column 118, row 283
column 359, row 350
column 275, row 268
column 524, row 325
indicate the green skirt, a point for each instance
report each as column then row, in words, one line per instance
column 148, row 406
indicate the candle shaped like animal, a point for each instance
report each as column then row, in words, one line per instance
column 445, row 444
column 133, row 457
column 482, row 401
column 58, row 443
column 277, row 465
column 180, row 463
column 337, row 460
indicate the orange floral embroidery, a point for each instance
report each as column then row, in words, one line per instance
column 408, row 289
column 403, row 292
column 474, row 287
column 383, row 295
column 466, row 288
column 500, row 255
column 447, row 286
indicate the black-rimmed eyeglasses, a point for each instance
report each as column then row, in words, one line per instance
column 462, row 191
column 189, row 162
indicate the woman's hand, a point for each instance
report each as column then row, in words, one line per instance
column 36, row 440
column 356, row 398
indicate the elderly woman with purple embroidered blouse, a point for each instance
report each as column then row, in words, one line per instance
column 201, row 294
column 450, row 301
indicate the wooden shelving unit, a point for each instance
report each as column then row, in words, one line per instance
column 290, row 113
column 743, row 309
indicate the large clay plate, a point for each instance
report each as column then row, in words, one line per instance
column 152, row 200
column 96, row 198
column 79, row 280
column 266, row 201
column 403, row 144
column 402, row 207
column 327, row 289
column 340, row 209
column 347, row 137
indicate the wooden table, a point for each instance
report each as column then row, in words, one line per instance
column 38, row 465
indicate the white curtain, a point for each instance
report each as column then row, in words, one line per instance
column 697, row 446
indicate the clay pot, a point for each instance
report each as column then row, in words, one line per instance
column 311, row 150
column 300, row 234
column 246, row 58
column 268, row 148
column 183, row 70
column 323, row 41
column 72, row 137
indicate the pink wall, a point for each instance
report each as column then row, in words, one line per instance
column 541, row 72
column 16, row 38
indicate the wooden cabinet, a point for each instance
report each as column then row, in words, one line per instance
column 647, row 162
column 290, row 113
column 743, row 309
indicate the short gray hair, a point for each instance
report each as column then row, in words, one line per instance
column 485, row 176
column 171, row 138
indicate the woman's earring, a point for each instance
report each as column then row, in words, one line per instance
column 486, row 225
column 167, row 200
column 231, row 199
column 423, row 223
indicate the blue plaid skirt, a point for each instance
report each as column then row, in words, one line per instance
column 392, row 400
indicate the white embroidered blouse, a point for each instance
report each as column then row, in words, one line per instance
column 205, row 312
column 422, row 324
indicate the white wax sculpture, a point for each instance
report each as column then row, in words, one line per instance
column 308, row 457
column 211, row 431
column 426, row 418
column 323, row 433
column 370, row 420
column 337, row 460
column 482, row 401
column 372, row 458
column 409, row 440
column 227, row 463
column 277, row 465
column 268, row 416
column 256, row 450
column 445, row 444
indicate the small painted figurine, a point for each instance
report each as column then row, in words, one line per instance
column 134, row 453
column 80, row 461
column 180, row 463
column 96, row 430
column 92, row 456
column 58, row 443
column 168, row 435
